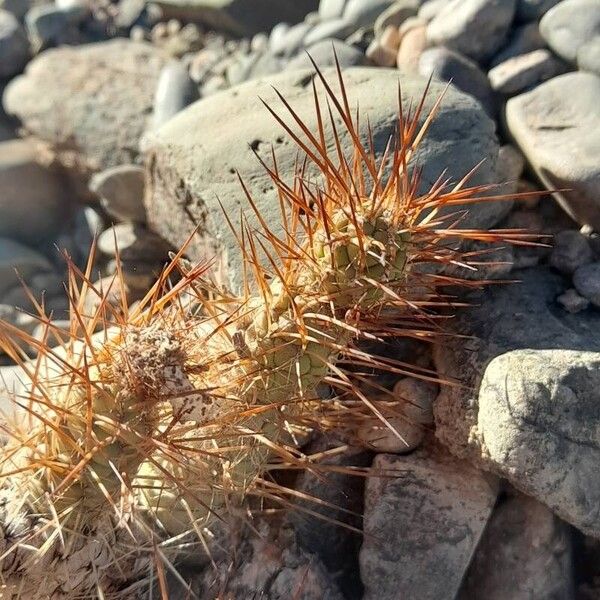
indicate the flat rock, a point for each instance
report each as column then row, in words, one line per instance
column 524, row 553
column 559, row 134
column 34, row 201
column 475, row 28
column 14, row 46
column 89, row 103
column 569, row 25
column 193, row 159
column 422, row 522
column 532, row 416
column 121, row 192
column 241, row 17
column 524, row 71
column 465, row 74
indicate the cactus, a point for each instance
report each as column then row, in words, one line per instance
column 131, row 446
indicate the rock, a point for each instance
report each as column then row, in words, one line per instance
column 532, row 416
column 133, row 243
column 447, row 65
column 532, row 10
column 524, row 71
column 49, row 25
column 174, row 91
column 423, row 519
column 511, row 163
column 291, row 41
column 270, row 566
column 588, row 56
column 323, row 54
column 533, row 222
column 240, row 17
column 586, row 280
column 90, row 122
column 431, row 8
column 191, row 164
column 569, row 25
column 121, row 192
column 558, row 132
column 17, row 7
column 15, row 257
column 572, row 302
column 336, row 28
column 342, row 498
column 34, row 201
column 380, row 55
column 331, row 9
column 475, row 28
column 396, row 14
column 412, row 45
column 522, row 40
column 278, row 34
column 363, row 13
column 14, row 47
column 390, row 38
column 524, row 553
column 570, row 251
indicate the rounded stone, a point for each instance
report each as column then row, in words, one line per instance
column 569, row 25
column 324, row 54
column 133, row 242
column 588, row 56
column 395, row 15
column 194, row 158
column 363, row 13
column 570, row 251
column 587, row 282
column 18, row 258
column 558, row 131
column 475, row 28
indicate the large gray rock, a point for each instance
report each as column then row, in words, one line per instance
column 90, row 103
column 242, row 17
column 524, row 553
column 558, row 131
column 14, row 47
column 34, row 201
column 475, row 28
column 423, row 519
column 569, row 25
column 532, row 415
column 193, row 159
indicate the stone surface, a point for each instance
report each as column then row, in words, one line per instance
column 559, row 133
column 331, row 9
column 569, row 25
column 34, row 201
column 14, row 47
column 423, row 519
column 531, row 10
column 121, row 192
column 588, row 56
column 336, row 28
column 524, row 71
column 17, row 258
column 524, row 553
column 270, row 566
column 532, row 415
column 570, row 250
column 586, row 280
column 241, row 17
column 133, row 242
column 475, row 28
column 291, row 41
column 465, row 74
column 174, row 91
column 379, row 55
column 395, row 15
column 91, row 123
column 522, row 40
column 363, row 13
column 324, row 53
column 190, row 166
column 572, row 302
column 412, row 45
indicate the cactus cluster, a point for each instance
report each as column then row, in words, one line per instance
column 131, row 446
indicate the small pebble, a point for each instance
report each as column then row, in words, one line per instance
column 121, row 192
column 380, row 54
column 572, row 302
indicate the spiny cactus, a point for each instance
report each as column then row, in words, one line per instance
column 130, row 446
